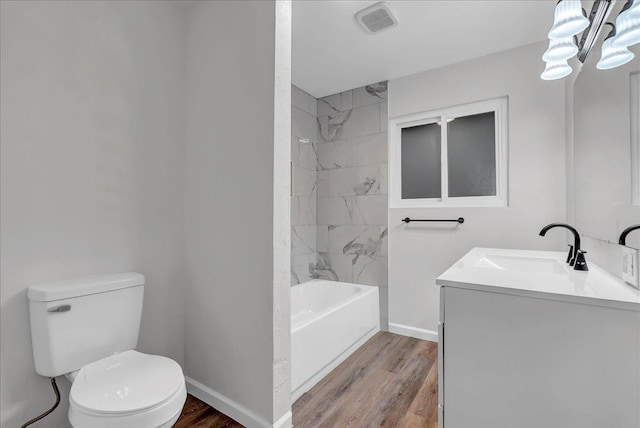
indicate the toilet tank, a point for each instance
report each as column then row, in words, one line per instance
column 79, row 321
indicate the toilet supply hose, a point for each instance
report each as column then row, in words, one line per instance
column 37, row 418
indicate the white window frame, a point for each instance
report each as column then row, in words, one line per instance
column 499, row 106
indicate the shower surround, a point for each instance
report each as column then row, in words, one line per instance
column 339, row 206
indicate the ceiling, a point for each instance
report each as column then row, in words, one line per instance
column 331, row 53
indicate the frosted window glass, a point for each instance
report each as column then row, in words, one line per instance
column 420, row 157
column 471, row 153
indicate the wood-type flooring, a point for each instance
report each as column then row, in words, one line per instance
column 391, row 381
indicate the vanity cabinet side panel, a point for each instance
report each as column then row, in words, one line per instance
column 514, row 361
column 441, row 360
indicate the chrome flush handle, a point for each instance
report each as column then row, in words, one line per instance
column 60, row 308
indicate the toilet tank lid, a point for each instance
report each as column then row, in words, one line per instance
column 58, row 290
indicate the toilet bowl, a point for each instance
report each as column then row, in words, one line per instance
column 130, row 389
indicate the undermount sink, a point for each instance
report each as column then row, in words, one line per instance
column 521, row 263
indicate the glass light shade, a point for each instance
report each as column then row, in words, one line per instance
column 568, row 19
column 628, row 26
column 613, row 56
column 556, row 70
column 560, row 49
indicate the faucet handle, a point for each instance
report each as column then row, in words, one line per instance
column 581, row 262
column 570, row 255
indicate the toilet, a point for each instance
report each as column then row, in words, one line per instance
column 86, row 329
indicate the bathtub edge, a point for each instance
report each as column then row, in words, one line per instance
column 364, row 290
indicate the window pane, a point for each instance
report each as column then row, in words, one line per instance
column 420, row 153
column 471, row 153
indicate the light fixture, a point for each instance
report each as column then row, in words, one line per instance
column 628, row 25
column 613, row 56
column 560, row 50
column 569, row 19
column 556, row 70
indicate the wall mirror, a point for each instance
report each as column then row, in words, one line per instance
column 606, row 152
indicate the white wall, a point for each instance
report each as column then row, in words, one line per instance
column 92, row 170
column 237, row 317
column 281, row 352
column 417, row 253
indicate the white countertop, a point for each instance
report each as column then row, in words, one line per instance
column 519, row 275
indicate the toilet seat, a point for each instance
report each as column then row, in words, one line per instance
column 129, row 389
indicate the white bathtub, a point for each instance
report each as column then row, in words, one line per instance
column 329, row 321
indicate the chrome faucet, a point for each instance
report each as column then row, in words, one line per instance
column 623, row 235
column 576, row 255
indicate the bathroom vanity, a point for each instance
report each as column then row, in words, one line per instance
column 526, row 341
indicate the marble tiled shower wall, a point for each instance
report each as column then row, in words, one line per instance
column 350, row 144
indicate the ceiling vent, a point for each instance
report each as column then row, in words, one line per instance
column 376, row 18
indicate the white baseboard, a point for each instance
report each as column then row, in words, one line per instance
column 418, row 333
column 285, row 421
column 297, row 393
column 232, row 409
